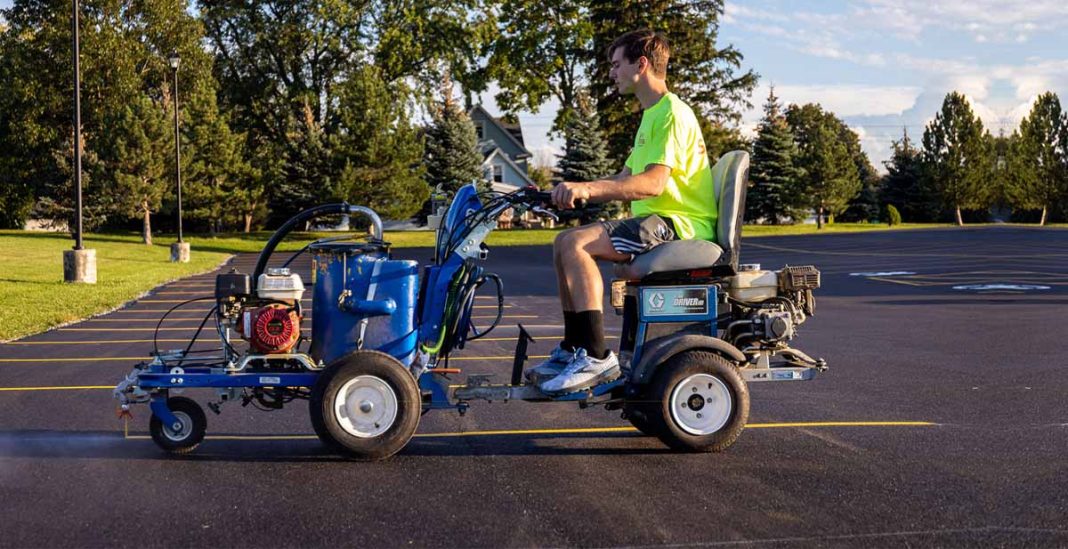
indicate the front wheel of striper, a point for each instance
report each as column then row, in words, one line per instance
column 703, row 402
column 366, row 406
column 188, row 434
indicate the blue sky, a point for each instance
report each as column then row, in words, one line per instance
column 885, row 64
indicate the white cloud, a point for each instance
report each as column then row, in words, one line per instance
column 844, row 99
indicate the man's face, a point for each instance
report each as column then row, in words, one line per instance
column 623, row 73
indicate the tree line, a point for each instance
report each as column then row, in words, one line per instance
column 288, row 103
column 807, row 161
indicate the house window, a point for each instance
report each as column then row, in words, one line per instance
column 478, row 130
column 498, row 174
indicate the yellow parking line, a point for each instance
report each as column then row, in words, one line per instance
column 164, row 329
column 124, row 358
column 841, row 424
column 66, row 388
column 79, row 359
column 101, row 342
column 118, row 342
column 579, row 430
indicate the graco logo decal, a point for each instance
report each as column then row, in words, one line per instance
column 677, row 301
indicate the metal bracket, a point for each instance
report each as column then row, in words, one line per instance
column 521, row 357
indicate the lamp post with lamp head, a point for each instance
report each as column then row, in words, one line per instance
column 180, row 249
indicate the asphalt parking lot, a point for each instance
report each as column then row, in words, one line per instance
column 943, row 421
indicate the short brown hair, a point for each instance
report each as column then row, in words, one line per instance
column 644, row 43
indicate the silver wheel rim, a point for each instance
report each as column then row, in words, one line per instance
column 183, row 433
column 365, row 407
column 701, row 404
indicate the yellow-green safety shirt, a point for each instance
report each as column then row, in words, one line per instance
column 669, row 135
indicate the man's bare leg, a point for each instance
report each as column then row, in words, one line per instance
column 576, row 252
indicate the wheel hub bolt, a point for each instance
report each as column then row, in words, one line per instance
column 366, row 406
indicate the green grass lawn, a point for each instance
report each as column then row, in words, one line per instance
column 36, row 298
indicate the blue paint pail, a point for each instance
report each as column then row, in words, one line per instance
column 361, row 292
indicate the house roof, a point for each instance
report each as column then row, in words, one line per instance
column 496, row 152
column 508, row 129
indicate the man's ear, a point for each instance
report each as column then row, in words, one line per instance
column 643, row 64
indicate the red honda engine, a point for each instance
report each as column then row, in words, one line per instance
column 274, row 328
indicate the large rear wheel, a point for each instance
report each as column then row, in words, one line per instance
column 366, row 406
column 703, row 403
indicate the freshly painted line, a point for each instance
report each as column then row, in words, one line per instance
column 580, row 430
column 841, row 424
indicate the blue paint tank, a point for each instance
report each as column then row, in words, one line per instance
column 361, row 292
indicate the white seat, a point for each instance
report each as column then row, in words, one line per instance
column 730, row 177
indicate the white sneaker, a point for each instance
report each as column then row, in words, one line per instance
column 583, row 372
column 558, row 360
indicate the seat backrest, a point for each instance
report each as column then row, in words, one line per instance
column 730, row 177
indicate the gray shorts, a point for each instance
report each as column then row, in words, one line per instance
column 638, row 235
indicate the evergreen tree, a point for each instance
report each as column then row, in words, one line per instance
column 220, row 186
column 773, row 170
column 1044, row 156
column 831, row 178
column 702, row 72
column 585, row 158
column 903, row 184
column 452, row 157
column 137, row 148
column 956, row 157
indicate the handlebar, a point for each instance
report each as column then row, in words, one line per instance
column 545, row 198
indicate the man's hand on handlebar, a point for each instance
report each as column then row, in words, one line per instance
column 566, row 196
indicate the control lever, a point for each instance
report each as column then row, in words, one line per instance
column 545, row 213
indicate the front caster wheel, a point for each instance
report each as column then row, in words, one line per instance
column 188, row 434
column 703, row 402
column 366, row 406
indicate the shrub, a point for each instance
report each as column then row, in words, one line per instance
column 893, row 217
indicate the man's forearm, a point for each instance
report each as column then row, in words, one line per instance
column 625, row 188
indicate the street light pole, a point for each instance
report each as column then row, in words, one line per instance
column 180, row 249
column 77, row 128
column 79, row 264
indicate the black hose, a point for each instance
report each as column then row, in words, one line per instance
column 155, row 335
column 287, row 227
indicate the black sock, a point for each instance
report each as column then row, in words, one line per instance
column 571, row 333
column 592, row 325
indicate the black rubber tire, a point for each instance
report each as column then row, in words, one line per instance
column 680, row 367
column 387, row 369
column 643, row 424
column 180, row 405
column 637, row 413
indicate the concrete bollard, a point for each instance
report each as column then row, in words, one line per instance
column 79, row 266
column 180, row 252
